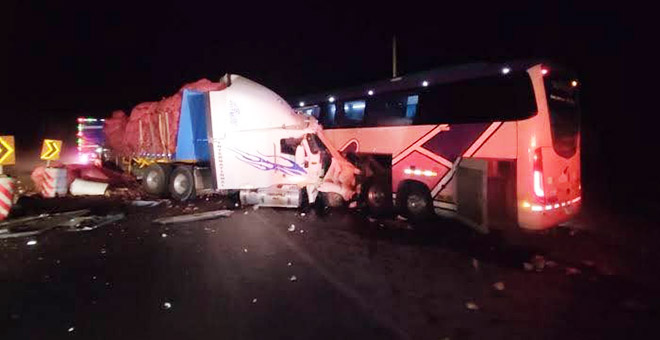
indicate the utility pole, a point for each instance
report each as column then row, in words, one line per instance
column 394, row 57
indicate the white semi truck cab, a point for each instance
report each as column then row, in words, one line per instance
column 246, row 140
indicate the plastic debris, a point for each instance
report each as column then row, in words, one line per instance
column 147, row 204
column 194, row 217
column 31, row 242
column 293, row 278
column 71, row 329
column 498, row 286
column 167, row 305
column 254, row 300
column 292, row 228
column 471, row 305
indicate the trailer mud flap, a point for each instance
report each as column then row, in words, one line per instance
column 472, row 184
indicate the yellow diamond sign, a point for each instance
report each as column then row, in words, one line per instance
column 51, row 149
column 7, row 154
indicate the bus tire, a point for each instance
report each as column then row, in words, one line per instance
column 376, row 197
column 414, row 201
column 156, row 179
column 182, row 183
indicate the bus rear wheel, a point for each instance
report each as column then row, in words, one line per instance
column 155, row 179
column 182, row 183
column 415, row 202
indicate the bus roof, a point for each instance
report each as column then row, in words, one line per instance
column 414, row 80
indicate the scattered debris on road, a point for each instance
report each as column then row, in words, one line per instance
column 292, row 228
column 167, row 305
column 71, row 329
column 254, row 300
column 293, row 278
column 245, row 250
column 475, row 264
column 302, row 214
column 163, row 235
column 528, row 266
column 193, row 217
column 35, row 225
column 289, row 264
column 499, row 286
column 146, row 204
column 572, row 271
column 87, row 223
column 471, row 305
column 539, row 262
column 255, row 207
column 302, row 231
column 31, row 242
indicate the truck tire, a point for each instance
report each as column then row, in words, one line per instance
column 182, row 183
column 156, row 179
column 414, row 201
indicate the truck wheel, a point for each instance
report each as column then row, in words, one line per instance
column 415, row 202
column 182, row 183
column 378, row 198
column 156, row 178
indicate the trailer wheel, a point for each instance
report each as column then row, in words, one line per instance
column 182, row 183
column 414, row 201
column 156, row 178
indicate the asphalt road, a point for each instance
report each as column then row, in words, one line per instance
column 254, row 276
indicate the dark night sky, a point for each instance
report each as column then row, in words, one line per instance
column 70, row 58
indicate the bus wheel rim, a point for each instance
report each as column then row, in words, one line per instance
column 416, row 203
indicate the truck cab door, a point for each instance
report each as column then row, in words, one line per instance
column 312, row 158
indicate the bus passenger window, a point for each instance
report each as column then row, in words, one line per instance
column 354, row 110
column 391, row 109
column 328, row 115
column 411, row 106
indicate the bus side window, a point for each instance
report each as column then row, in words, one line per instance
column 328, row 115
column 391, row 109
column 352, row 113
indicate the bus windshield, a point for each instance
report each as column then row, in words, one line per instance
column 563, row 104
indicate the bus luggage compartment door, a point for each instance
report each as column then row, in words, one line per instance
column 471, row 189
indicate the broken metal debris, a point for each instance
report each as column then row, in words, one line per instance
column 34, row 225
column 146, row 204
column 193, row 217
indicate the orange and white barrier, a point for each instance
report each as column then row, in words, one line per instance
column 7, row 189
column 55, row 182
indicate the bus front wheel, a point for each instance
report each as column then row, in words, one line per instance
column 414, row 201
